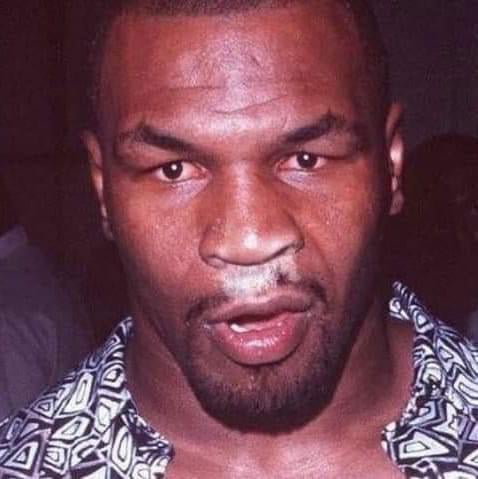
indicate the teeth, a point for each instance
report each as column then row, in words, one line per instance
column 237, row 328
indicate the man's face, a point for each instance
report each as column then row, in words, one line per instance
column 243, row 169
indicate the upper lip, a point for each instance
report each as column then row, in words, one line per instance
column 266, row 306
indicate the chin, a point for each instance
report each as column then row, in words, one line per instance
column 274, row 397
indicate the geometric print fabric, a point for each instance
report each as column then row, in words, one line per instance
column 437, row 434
column 88, row 426
column 85, row 427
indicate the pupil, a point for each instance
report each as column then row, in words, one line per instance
column 306, row 161
column 173, row 170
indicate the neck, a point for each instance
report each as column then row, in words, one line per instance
column 379, row 360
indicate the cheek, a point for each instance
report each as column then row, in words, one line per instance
column 157, row 243
column 342, row 222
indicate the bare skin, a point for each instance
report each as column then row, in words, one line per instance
column 231, row 95
column 343, row 442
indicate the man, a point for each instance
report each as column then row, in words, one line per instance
column 246, row 157
column 43, row 331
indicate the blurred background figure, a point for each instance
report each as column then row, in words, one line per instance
column 434, row 243
column 43, row 326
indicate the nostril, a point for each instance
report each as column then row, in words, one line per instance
column 216, row 262
column 292, row 247
column 249, row 250
column 247, row 243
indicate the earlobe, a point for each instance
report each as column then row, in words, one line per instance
column 95, row 159
column 395, row 152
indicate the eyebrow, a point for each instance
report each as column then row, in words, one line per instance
column 150, row 135
column 327, row 124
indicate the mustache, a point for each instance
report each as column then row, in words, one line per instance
column 203, row 305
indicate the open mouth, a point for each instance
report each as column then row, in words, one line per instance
column 253, row 323
column 261, row 330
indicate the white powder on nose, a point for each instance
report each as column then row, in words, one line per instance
column 251, row 241
column 250, row 281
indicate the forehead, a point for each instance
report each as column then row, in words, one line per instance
column 176, row 66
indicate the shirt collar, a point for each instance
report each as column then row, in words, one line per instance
column 436, row 387
column 429, row 436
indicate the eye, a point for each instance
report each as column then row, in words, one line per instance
column 177, row 171
column 303, row 161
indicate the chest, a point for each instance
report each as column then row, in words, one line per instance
column 367, row 465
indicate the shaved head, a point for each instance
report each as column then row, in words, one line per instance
column 358, row 11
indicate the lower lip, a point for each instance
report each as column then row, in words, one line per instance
column 272, row 344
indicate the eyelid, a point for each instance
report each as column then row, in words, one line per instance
column 159, row 170
column 322, row 160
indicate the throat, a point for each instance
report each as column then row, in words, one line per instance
column 377, row 377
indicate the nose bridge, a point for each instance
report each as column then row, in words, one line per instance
column 250, row 225
column 247, row 204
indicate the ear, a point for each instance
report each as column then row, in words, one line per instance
column 95, row 159
column 395, row 154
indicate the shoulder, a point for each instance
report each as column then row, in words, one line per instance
column 28, row 437
column 443, row 359
column 54, row 433
column 446, row 365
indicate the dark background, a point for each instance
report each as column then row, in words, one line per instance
column 433, row 46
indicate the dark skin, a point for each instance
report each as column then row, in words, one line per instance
column 235, row 100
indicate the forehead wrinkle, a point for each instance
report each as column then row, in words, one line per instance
column 238, row 99
column 253, row 83
column 246, row 108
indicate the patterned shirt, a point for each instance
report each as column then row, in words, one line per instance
column 88, row 425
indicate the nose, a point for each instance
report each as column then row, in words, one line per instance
column 249, row 225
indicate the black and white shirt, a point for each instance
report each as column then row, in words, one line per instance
column 89, row 427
